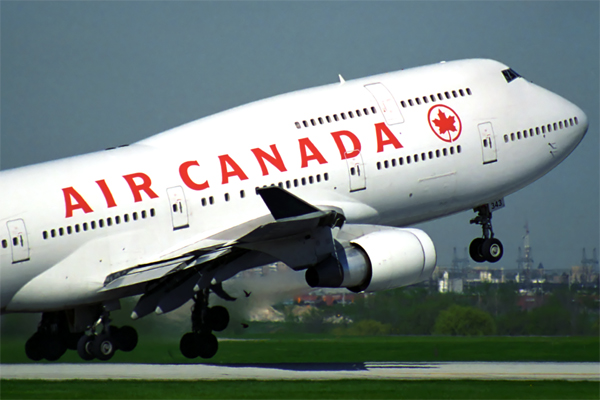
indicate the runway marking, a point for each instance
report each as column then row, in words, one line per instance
column 308, row 371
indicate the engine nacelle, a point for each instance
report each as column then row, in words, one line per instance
column 380, row 260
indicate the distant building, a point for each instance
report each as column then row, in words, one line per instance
column 447, row 285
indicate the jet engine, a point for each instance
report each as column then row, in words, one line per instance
column 380, row 260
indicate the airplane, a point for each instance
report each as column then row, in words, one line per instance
column 326, row 180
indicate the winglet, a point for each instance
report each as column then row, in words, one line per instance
column 342, row 80
column 283, row 204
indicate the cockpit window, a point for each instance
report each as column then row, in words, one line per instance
column 510, row 74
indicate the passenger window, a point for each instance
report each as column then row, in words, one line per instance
column 358, row 114
column 312, row 121
column 15, row 241
column 462, row 93
column 242, row 194
column 525, row 134
column 326, row 176
column 226, row 196
column 458, row 149
column 295, row 182
column 109, row 221
column 408, row 159
column 320, row 120
column 327, row 118
column 350, row 114
column 393, row 162
column 211, row 200
column 69, row 230
column 343, row 115
column 440, row 96
column 549, row 128
column 530, row 131
column 287, row 184
column 430, row 155
column 410, row 102
column 519, row 135
column 335, row 117
column 134, row 216
column 425, row 99
column 303, row 181
column 144, row 214
column 505, row 138
column 437, row 154
column 85, row 226
column 373, row 110
column 454, row 93
column 366, row 111
column 423, row 157
column 44, row 235
column 432, row 97
column 418, row 101
column 416, row 157
column 403, row 103
column 484, row 142
column 571, row 121
column 152, row 212
column 554, row 126
column 305, row 124
column 447, row 95
column 401, row 161
column 560, row 125
column 576, row 121
column 61, row 232
column 53, row 233
column 444, row 152
column 318, row 177
column 310, row 180
column 101, row 223
column 5, row 243
column 452, row 150
column 298, row 125
column 469, row 91
column 386, row 164
column 118, row 219
column 203, row 202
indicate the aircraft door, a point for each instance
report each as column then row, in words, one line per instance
column 388, row 106
column 18, row 240
column 356, row 173
column 488, row 142
column 179, row 212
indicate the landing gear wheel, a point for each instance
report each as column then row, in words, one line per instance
column 218, row 318
column 475, row 250
column 54, row 347
column 84, row 348
column 34, row 347
column 103, row 347
column 188, row 345
column 492, row 250
column 126, row 337
column 207, row 345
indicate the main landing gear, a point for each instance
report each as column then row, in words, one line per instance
column 54, row 337
column 102, row 343
column 200, row 342
column 486, row 248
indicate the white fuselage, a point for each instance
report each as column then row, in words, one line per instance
column 434, row 140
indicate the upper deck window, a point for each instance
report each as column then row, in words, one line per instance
column 510, row 74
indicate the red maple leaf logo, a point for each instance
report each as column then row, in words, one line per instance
column 444, row 123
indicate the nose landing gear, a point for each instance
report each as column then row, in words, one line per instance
column 486, row 248
column 201, row 342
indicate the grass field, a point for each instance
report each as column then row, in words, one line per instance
column 315, row 348
column 341, row 389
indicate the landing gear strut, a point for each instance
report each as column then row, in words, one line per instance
column 201, row 342
column 54, row 337
column 102, row 340
column 486, row 248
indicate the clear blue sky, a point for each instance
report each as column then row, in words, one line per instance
column 78, row 77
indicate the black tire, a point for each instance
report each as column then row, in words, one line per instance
column 54, row 347
column 84, row 347
column 188, row 345
column 475, row 250
column 126, row 338
column 218, row 318
column 34, row 347
column 208, row 345
column 103, row 347
column 492, row 250
column 71, row 339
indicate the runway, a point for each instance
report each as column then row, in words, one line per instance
column 308, row 371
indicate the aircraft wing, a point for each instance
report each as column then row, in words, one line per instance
column 298, row 234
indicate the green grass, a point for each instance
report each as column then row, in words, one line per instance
column 320, row 348
column 339, row 389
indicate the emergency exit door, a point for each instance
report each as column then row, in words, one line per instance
column 179, row 212
column 387, row 104
column 488, row 143
column 356, row 173
column 18, row 240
